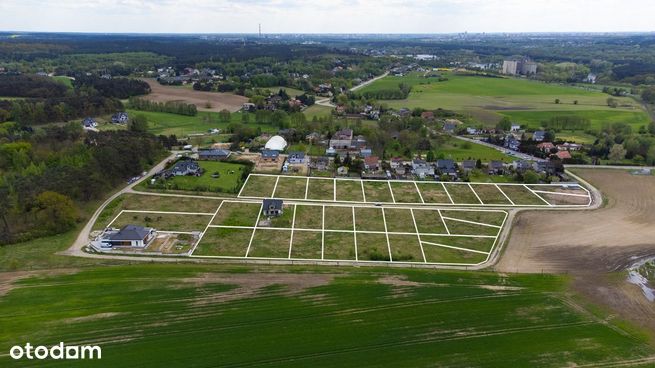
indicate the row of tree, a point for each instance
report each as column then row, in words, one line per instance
column 172, row 107
column 121, row 88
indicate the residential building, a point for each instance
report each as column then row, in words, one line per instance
column 365, row 152
column 447, row 167
column 89, row 123
column 422, row 168
column 342, row 139
column 213, row 154
column 496, row 168
column 320, row 163
column 511, row 142
column 545, row 146
column 372, row 163
column 120, row 118
column 521, row 165
column 569, row 147
column 296, row 158
column 563, row 155
column 468, row 165
column 128, row 236
column 539, row 136
column 183, row 168
column 270, row 155
column 273, row 207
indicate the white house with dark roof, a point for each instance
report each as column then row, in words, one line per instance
column 297, row 158
column 127, row 236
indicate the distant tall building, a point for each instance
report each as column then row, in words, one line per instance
column 519, row 67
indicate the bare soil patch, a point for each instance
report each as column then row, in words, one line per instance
column 8, row 279
column 217, row 101
column 250, row 284
column 590, row 245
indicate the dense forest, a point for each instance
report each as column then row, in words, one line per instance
column 47, row 174
column 121, row 88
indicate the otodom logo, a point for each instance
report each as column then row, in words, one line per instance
column 59, row 351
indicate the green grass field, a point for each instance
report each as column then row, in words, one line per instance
column 597, row 118
column 489, row 99
column 229, row 180
column 181, row 125
column 458, row 150
column 207, row 316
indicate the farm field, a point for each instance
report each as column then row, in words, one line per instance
column 218, row 101
column 417, row 317
column 409, row 192
column 488, row 99
column 368, row 233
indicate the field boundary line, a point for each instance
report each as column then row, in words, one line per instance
column 508, row 198
column 254, row 229
column 117, row 216
column 275, row 187
column 244, row 185
column 418, row 235
column 355, row 234
column 471, row 222
column 323, row 234
column 443, row 222
column 171, row 212
column 206, row 228
column 419, row 193
column 386, row 233
column 447, row 193
column 458, row 248
column 538, row 196
column 334, row 190
column 363, row 191
column 306, row 188
column 350, row 231
column 293, row 225
column 476, row 194
column 393, row 198
column 559, row 193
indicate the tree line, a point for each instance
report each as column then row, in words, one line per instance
column 33, row 86
column 115, row 87
column 172, row 107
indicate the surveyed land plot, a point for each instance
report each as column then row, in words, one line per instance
column 455, row 194
column 361, row 233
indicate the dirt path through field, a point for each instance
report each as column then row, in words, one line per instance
column 591, row 244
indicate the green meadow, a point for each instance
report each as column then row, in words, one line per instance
column 488, row 99
column 151, row 315
column 597, row 118
column 181, row 125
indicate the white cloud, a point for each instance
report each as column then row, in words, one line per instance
column 332, row 16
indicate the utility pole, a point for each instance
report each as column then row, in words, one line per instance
column 260, row 30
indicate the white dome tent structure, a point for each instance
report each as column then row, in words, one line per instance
column 276, row 143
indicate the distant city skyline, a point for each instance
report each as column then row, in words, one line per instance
column 336, row 16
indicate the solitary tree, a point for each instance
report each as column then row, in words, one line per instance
column 617, row 152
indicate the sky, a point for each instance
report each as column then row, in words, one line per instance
column 327, row 16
